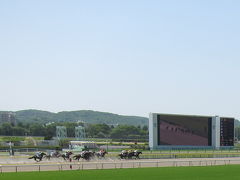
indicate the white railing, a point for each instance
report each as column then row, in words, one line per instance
column 113, row 165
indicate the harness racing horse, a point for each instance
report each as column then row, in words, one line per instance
column 66, row 155
column 38, row 156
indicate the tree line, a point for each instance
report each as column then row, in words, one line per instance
column 237, row 133
column 48, row 131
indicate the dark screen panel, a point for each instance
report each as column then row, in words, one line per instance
column 184, row 130
column 226, row 131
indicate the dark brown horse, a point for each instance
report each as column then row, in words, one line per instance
column 66, row 155
column 129, row 154
column 38, row 156
column 101, row 153
column 86, row 155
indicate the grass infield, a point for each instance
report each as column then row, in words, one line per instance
column 165, row 173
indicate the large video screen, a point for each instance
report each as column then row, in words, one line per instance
column 184, row 130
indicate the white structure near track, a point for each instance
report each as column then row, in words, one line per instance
column 61, row 132
column 88, row 144
column 175, row 131
column 80, row 132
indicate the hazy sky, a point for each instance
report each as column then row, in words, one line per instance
column 127, row 56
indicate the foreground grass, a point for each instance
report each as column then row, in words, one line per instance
column 165, row 173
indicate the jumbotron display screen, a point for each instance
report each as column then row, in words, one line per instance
column 226, row 131
column 184, row 130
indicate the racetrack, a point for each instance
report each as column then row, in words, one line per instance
column 22, row 163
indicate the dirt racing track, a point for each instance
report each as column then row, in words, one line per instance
column 21, row 164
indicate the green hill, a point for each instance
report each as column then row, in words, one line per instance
column 88, row 116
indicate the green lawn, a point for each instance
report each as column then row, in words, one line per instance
column 230, row 172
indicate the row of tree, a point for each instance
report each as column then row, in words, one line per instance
column 92, row 130
column 237, row 133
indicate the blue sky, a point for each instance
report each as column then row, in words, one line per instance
column 127, row 57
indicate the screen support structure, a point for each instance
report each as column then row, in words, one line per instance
column 216, row 132
column 153, row 135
